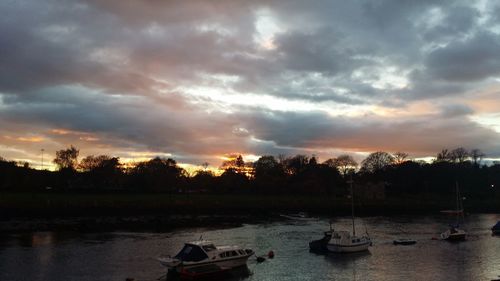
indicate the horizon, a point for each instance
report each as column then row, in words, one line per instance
column 198, row 81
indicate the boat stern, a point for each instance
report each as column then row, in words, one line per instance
column 169, row 262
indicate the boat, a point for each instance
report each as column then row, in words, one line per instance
column 404, row 241
column 455, row 233
column 204, row 257
column 496, row 229
column 319, row 246
column 345, row 241
column 301, row 216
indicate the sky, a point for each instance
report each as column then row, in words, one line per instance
column 199, row 80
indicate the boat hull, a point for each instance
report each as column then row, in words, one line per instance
column 337, row 248
column 456, row 237
column 404, row 242
column 320, row 245
column 222, row 264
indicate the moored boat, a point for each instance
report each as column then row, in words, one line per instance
column 404, row 241
column 345, row 241
column 319, row 245
column 455, row 233
column 201, row 255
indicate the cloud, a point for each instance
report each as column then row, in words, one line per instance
column 194, row 79
column 475, row 59
column 454, row 110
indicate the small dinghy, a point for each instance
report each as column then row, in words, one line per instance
column 404, row 241
column 320, row 245
column 496, row 229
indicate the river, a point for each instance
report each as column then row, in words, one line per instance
column 58, row 256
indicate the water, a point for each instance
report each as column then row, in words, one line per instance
column 116, row 256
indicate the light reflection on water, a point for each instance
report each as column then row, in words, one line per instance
column 119, row 255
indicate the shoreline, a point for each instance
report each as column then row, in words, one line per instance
column 152, row 223
column 21, row 212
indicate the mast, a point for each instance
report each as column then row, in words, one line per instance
column 352, row 207
column 456, row 192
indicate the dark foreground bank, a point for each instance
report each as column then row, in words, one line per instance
column 156, row 212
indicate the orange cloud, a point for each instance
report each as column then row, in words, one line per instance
column 25, row 139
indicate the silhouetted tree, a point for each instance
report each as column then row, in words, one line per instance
column 157, row 174
column 233, row 182
column 376, row 161
column 203, row 181
column 237, row 163
column 296, row 164
column 266, row 166
column 400, row 157
column 476, row 155
column 101, row 171
column 443, row 156
column 67, row 158
column 343, row 163
column 459, row 155
column 269, row 174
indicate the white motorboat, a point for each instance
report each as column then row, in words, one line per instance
column 454, row 233
column 200, row 254
column 344, row 241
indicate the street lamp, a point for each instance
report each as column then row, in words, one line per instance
column 42, row 156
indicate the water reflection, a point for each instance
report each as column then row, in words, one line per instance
column 235, row 274
column 58, row 256
column 348, row 262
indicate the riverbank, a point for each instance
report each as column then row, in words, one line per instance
column 158, row 212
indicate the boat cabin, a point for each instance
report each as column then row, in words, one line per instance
column 201, row 250
column 233, row 253
column 195, row 251
column 496, row 228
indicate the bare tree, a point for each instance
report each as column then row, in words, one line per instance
column 400, row 157
column 459, row 155
column 376, row 161
column 477, row 156
column 443, row 156
column 344, row 164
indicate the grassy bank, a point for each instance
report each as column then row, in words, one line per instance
column 68, row 204
column 20, row 212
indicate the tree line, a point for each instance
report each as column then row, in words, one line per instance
column 299, row 174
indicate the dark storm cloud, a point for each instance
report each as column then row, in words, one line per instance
column 463, row 61
column 457, row 21
column 423, row 136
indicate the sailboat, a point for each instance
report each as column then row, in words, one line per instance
column 346, row 242
column 455, row 233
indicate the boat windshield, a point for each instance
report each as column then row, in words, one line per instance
column 191, row 253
